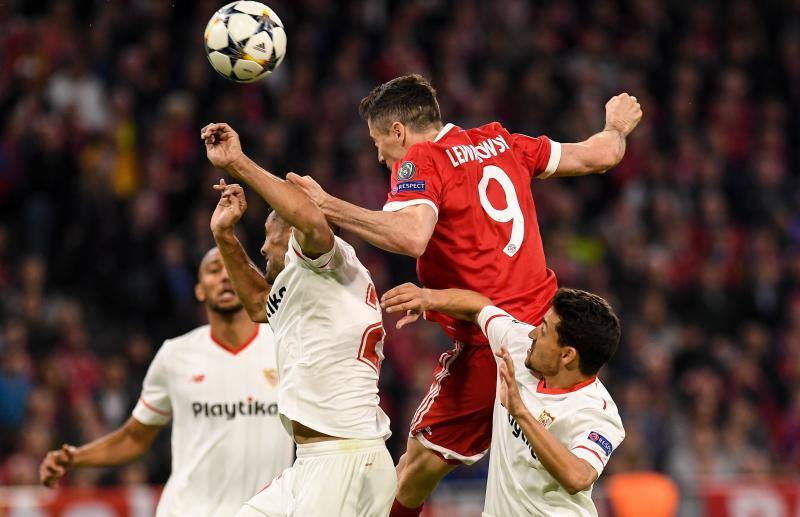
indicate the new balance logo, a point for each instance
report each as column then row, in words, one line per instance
column 261, row 47
column 198, row 378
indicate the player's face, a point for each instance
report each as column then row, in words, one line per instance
column 546, row 355
column 214, row 287
column 389, row 143
column 275, row 245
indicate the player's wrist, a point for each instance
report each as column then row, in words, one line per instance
column 429, row 299
column 614, row 128
column 520, row 412
column 237, row 164
column 325, row 202
column 223, row 231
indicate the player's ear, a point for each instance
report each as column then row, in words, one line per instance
column 398, row 130
column 569, row 357
column 198, row 293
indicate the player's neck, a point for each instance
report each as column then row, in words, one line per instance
column 233, row 331
column 565, row 380
column 427, row 135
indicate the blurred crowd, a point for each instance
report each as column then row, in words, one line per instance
column 105, row 199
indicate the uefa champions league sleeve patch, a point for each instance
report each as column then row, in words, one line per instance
column 406, row 171
column 602, row 441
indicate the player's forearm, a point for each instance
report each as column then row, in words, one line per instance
column 608, row 146
column 250, row 285
column 116, row 448
column 596, row 154
column 458, row 303
column 289, row 202
column 571, row 472
column 390, row 231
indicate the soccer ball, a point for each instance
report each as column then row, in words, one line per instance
column 245, row 41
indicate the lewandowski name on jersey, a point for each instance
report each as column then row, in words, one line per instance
column 489, row 148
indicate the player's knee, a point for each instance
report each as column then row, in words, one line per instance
column 422, row 467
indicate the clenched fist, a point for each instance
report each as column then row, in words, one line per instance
column 222, row 144
column 623, row 113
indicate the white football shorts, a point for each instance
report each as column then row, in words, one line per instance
column 335, row 478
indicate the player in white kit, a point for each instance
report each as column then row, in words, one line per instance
column 555, row 425
column 321, row 302
column 218, row 385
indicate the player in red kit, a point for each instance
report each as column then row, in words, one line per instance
column 461, row 203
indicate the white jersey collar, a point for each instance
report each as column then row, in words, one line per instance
column 447, row 127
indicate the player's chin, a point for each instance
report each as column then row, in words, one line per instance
column 529, row 362
column 227, row 307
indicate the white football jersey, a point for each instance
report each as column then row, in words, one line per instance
column 584, row 419
column 329, row 335
column 227, row 439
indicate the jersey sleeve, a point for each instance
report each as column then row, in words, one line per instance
column 539, row 154
column 500, row 328
column 596, row 434
column 154, row 406
column 340, row 255
column 415, row 181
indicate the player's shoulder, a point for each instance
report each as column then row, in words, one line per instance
column 420, row 154
column 595, row 401
column 188, row 339
column 601, row 392
column 486, row 130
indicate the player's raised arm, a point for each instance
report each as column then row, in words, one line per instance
column 413, row 300
column 312, row 231
column 405, row 231
column 605, row 149
column 461, row 304
column 249, row 283
column 122, row 446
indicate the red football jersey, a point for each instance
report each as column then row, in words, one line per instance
column 487, row 236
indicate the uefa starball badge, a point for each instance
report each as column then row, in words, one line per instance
column 406, row 171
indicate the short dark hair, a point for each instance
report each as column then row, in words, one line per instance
column 409, row 99
column 589, row 325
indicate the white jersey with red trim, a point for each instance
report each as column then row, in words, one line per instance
column 227, row 439
column 584, row 419
column 329, row 335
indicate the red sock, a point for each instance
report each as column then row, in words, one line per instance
column 398, row 510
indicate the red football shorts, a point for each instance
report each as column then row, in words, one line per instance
column 454, row 419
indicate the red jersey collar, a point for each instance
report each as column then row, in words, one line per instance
column 230, row 350
column 447, row 127
column 540, row 388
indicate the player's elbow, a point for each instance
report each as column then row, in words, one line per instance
column 414, row 245
column 607, row 157
column 578, row 482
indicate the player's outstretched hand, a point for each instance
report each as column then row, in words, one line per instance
column 55, row 464
column 309, row 186
column 509, row 391
column 222, row 144
column 231, row 207
column 407, row 297
column 623, row 113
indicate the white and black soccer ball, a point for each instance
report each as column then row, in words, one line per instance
column 245, row 41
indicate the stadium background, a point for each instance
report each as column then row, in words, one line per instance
column 105, row 197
